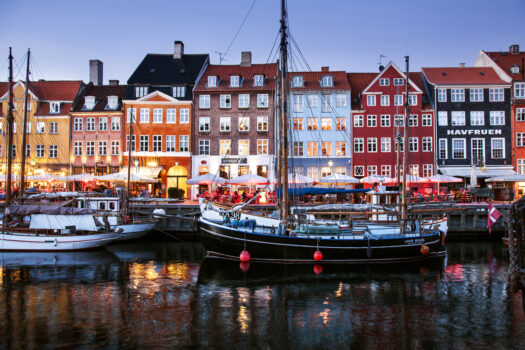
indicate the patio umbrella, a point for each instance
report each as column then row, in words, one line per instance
column 374, row 179
column 206, row 179
column 248, row 179
column 80, row 177
column 124, row 177
column 44, row 177
column 299, row 179
column 339, row 179
column 3, row 177
column 507, row 178
column 473, row 177
column 410, row 179
column 444, row 178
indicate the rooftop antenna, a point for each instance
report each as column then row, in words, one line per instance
column 222, row 56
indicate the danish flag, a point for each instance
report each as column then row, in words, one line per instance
column 493, row 216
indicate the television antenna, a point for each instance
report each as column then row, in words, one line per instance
column 222, row 56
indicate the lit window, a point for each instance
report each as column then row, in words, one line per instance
column 263, row 146
column 262, row 123
column 244, row 124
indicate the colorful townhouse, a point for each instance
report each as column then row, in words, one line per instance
column 48, row 125
column 473, row 121
column 234, row 120
column 320, row 123
column 159, row 95
column 378, row 124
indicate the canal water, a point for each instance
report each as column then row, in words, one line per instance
column 165, row 295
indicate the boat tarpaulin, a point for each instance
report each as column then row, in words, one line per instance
column 17, row 209
column 316, row 191
column 59, row 222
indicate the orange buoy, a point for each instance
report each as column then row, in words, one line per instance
column 318, row 269
column 424, row 249
column 318, row 256
column 245, row 256
column 245, row 266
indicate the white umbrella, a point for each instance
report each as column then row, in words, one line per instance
column 507, row 178
column 206, row 179
column 473, row 177
column 299, row 179
column 248, row 179
column 410, row 179
column 44, row 177
column 339, row 179
column 80, row 177
column 444, row 178
column 3, row 177
column 374, row 179
column 124, row 177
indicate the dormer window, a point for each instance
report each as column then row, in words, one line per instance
column 514, row 69
column 212, row 81
column 112, row 102
column 179, row 91
column 54, row 107
column 89, row 103
column 235, row 81
column 258, row 80
column 327, row 81
column 298, row 81
column 141, row 91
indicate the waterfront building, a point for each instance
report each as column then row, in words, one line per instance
column 319, row 123
column 48, row 125
column 473, row 120
column 234, row 120
column 378, row 123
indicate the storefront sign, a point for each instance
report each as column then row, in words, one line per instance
column 475, row 132
column 234, row 161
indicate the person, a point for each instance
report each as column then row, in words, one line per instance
column 236, row 197
column 244, row 196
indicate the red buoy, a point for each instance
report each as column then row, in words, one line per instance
column 318, row 256
column 318, row 269
column 245, row 256
column 245, row 266
column 424, row 249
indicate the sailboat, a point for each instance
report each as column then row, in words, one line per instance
column 237, row 234
column 48, row 229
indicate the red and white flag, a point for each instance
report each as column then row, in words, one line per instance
column 493, row 216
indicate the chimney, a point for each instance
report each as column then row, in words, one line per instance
column 178, row 50
column 95, row 72
column 514, row 49
column 325, row 69
column 462, row 64
column 113, row 82
column 246, row 58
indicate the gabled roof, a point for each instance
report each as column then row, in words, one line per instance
column 358, row 82
column 312, row 80
column 462, row 76
column 402, row 74
column 58, row 90
column 158, row 96
column 101, row 93
column 247, row 73
column 165, row 70
column 506, row 60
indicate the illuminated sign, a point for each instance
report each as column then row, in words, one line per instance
column 475, row 132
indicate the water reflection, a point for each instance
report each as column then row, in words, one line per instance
column 162, row 295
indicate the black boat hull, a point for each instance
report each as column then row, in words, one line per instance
column 227, row 243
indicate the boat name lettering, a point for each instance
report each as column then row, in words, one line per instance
column 415, row 240
column 231, row 214
column 475, row 132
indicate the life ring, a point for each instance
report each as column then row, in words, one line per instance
column 272, row 230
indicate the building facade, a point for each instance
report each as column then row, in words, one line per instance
column 319, row 123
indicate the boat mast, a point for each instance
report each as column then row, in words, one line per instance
column 405, row 149
column 130, row 134
column 24, row 137
column 9, row 130
column 284, row 113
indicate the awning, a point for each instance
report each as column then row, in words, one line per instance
column 466, row 171
column 148, row 171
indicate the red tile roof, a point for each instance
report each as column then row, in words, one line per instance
column 462, row 76
column 43, row 109
column 246, row 72
column 358, row 82
column 60, row 90
column 312, row 80
column 506, row 60
column 3, row 88
column 101, row 94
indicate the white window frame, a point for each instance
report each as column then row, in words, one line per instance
column 115, row 123
column 399, row 81
column 262, row 123
column 102, row 148
column 235, row 81
column 340, row 100
column 371, row 121
column 457, row 118
column 472, row 141
column 244, row 124
column 457, row 95
column 443, row 146
column 442, row 95
column 54, row 107
column 102, row 124
column 497, row 117
column 90, row 124
column 157, row 115
column 171, row 143
column 327, row 81
column 370, row 100
column 263, row 147
column 184, row 116
column 258, row 80
column 384, row 82
column 476, row 95
column 244, row 101
column 359, row 170
column 184, row 143
column 144, row 143
column 313, row 100
column 477, row 118
column 412, row 100
column 385, row 100
column 298, row 103
column 426, row 143
column 41, row 126
column 225, row 101
column 386, row 144
column 115, row 147
column 413, row 144
column 77, row 148
column 212, row 81
column 385, row 120
column 144, row 115
column 519, row 90
column 204, row 147
column 171, row 115
column 156, row 143
column 520, row 139
column 359, row 145
column 492, row 149
column 204, row 101
column 262, row 101
column 225, row 124
column 398, row 100
column 464, row 142
column 53, row 128
column 496, row 95
column 204, row 124
column 371, row 144
column 359, row 121
column 442, row 118
column 53, row 151
column 426, row 119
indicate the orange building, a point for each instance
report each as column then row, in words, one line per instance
column 160, row 140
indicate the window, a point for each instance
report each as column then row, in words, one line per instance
column 340, row 100
column 112, row 103
column 133, row 145
column 144, row 143
column 90, row 148
column 54, row 107
column 244, row 124
column 413, row 144
column 326, row 124
column 204, row 146
column 157, row 143
column 498, row 148
column 476, row 95
column 212, row 81
column 340, row 123
column 458, row 149
column 457, row 118
column 28, row 151
column 327, row 81
column 326, row 103
column 340, row 148
column 115, row 123
column 428, row 170
column 359, row 170
column 326, row 171
column 371, row 120
column 384, row 82
column 312, row 123
column 184, row 116
column 77, row 148
column 426, row 120
column 262, row 100
column 413, row 169
column 442, row 118
column 385, row 144
column 359, row 145
column 224, row 147
column 520, row 139
column 90, row 124
column 258, row 80
column 442, row 95
column 41, row 126
column 14, row 127
column 40, row 151
column 427, row 143
column 412, row 120
column 371, row 144
column 298, row 148
column 313, row 172
column 297, row 81
column 385, row 100
column 225, row 124
column 204, row 101
column 398, row 81
column 370, row 100
column 477, row 150
column 385, row 120
column 53, row 151
column 179, row 91
column 399, row 120
column 341, row 170
column 412, row 100
column 326, row 148
column 371, row 170
column 102, row 148
column 358, row 121
column 520, row 114
column 184, row 143
column 235, row 81
column 457, row 95
column 28, row 127
column 141, row 91
column 496, row 95
column 225, row 101
column 312, row 100
column 263, row 146
column 157, row 115
column 398, row 100
column 244, row 100
column 262, row 123
column 298, row 103
column 519, row 90
column 170, row 143
column 115, row 148
column 144, row 115
column 131, row 111
column 399, row 143
column 204, row 124
column 497, row 118
column 312, row 148
column 77, row 125
column 171, row 115
column 477, row 118
column 520, row 168
column 298, row 124
column 102, row 124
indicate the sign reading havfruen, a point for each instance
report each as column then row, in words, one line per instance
column 475, row 132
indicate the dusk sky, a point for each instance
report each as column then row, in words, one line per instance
column 347, row 35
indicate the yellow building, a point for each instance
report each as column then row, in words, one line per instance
column 47, row 128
